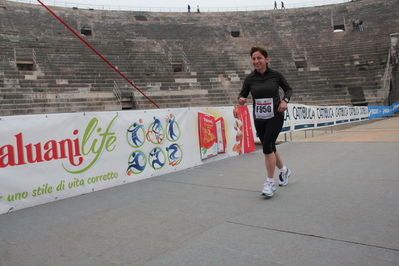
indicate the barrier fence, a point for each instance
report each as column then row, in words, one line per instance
column 49, row 157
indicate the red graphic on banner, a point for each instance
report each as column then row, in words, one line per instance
column 207, row 135
column 243, row 126
column 221, row 135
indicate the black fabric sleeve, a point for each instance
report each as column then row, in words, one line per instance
column 245, row 88
column 284, row 85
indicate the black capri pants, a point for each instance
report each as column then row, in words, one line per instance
column 268, row 131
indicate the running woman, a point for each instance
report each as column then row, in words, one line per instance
column 264, row 85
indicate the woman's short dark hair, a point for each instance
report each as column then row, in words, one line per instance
column 260, row 49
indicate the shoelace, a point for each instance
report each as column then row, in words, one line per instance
column 268, row 183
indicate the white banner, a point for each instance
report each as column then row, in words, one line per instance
column 303, row 117
column 44, row 158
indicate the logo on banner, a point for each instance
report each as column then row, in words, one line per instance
column 155, row 137
column 155, row 133
column 325, row 116
column 81, row 153
column 157, row 158
column 136, row 162
column 95, row 142
column 135, row 134
column 175, row 154
column 304, row 117
column 342, row 115
column 172, row 129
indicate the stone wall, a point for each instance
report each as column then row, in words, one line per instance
column 190, row 59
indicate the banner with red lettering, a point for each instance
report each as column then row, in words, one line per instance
column 44, row 158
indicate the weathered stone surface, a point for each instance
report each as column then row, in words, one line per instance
column 170, row 55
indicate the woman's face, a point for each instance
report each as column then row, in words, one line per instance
column 259, row 61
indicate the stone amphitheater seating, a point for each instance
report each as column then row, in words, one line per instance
column 189, row 59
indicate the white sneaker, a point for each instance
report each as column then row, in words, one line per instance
column 283, row 178
column 269, row 189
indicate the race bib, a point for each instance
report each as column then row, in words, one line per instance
column 264, row 108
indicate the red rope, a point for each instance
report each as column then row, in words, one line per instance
column 105, row 60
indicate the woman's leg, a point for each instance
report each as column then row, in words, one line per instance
column 272, row 157
column 270, row 162
column 279, row 162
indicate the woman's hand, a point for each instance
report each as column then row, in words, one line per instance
column 283, row 106
column 242, row 101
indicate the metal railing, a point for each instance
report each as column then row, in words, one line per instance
column 34, row 56
column 117, row 93
column 183, row 8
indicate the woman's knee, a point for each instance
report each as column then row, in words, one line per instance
column 270, row 148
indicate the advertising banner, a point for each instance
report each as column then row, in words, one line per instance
column 303, row 117
column 44, row 158
column 380, row 111
column 395, row 107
